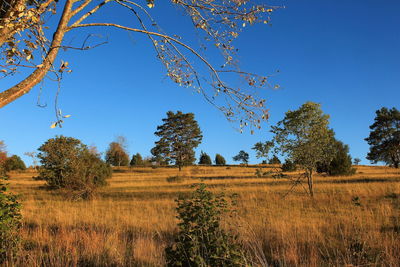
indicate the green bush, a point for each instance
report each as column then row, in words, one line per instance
column 10, row 221
column 341, row 164
column 204, row 159
column 289, row 166
column 136, row 160
column 201, row 241
column 14, row 163
column 67, row 163
column 219, row 160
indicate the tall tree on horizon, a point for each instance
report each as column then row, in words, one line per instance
column 179, row 135
column 242, row 156
column 384, row 138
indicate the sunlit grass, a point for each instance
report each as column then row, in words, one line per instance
column 351, row 220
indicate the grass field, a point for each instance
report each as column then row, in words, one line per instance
column 353, row 221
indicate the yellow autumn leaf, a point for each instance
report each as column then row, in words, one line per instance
column 53, row 125
column 150, row 5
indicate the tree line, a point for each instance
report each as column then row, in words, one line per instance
column 303, row 137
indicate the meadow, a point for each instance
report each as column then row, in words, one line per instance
column 351, row 221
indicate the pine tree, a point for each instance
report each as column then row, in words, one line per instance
column 242, row 156
column 219, row 160
column 384, row 138
column 205, row 159
column 136, row 160
column 179, row 135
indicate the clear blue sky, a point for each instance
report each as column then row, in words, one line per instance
column 342, row 54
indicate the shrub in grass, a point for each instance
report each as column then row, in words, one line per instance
column 288, row 166
column 14, row 163
column 219, row 160
column 201, row 241
column 68, row 164
column 10, row 221
column 175, row 179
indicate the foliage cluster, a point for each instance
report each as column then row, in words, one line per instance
column 274, row 160
column 341, row 162
column 384, row 138
column 289, row 166
column 263, row 149
column 219, row 160
column 242, row 156
column 116, row 155
column 10, row 220
column 179, row 135
column 201, row 241
column 67, row 163
column 305, row 138
column 136, row 160
column 205, row 159
column 14, row 163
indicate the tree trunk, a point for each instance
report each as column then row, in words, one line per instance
column 396, row 164
column 310, row 182
column 28, row 83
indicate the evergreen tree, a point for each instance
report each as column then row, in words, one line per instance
column 274, row 160
column 242, row 156
column 136, row 160
column 384, row 138
column 341, row 162
column 205, row 159
column 219, row 160
column 356, row 161
column 289, row 166
column 179, row 135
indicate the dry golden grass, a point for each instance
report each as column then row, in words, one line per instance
column 351, row 220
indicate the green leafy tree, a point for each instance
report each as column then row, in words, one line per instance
column 67, row 163
column 10, row 220
column 384, row 138
column 136, row 160
column 14, row 163
column 356, row 161
column 205, row 159
column 263, row 149
column 242, row 156
column 274, row 160
column 305, row 138
column 179, row 136
column 116, row 153
column 219, row 160
column 201, row 241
